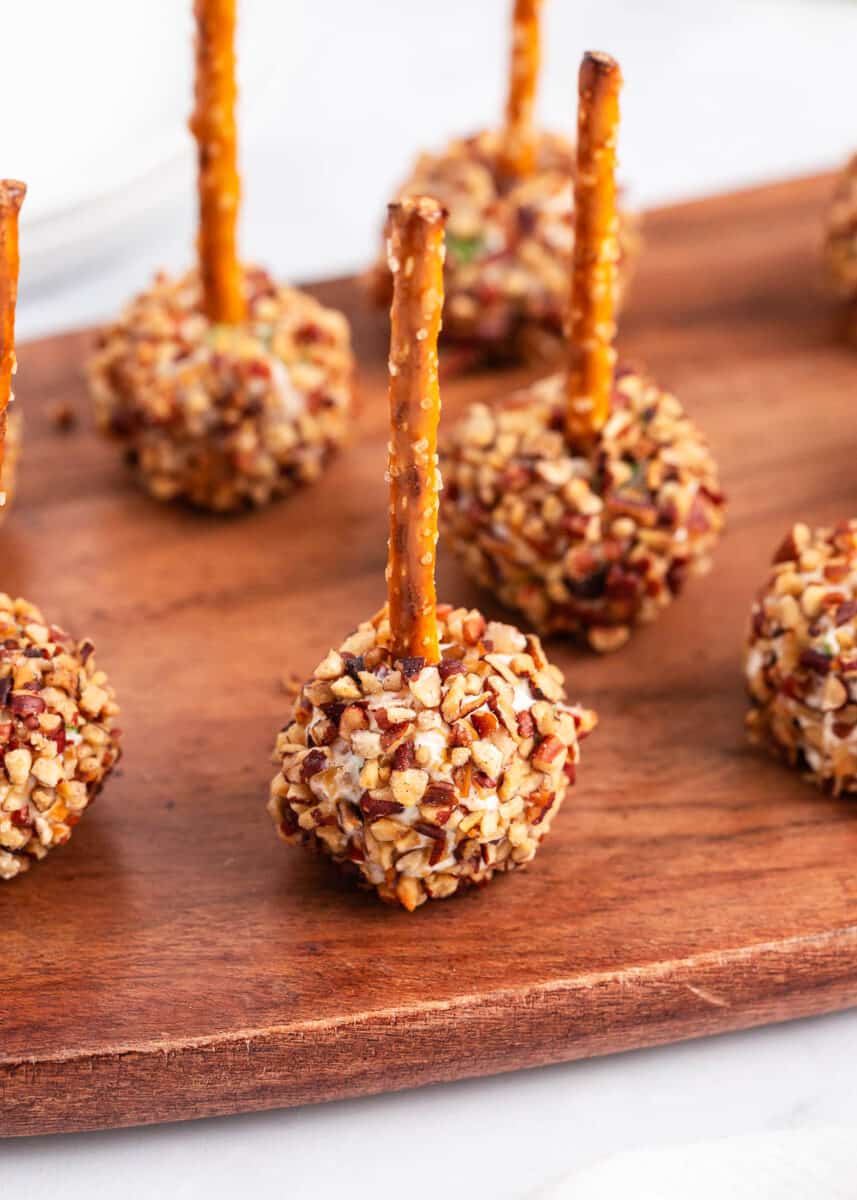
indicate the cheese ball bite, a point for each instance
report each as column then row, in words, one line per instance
column 586, row 543
column 59, row 737
column 586, row 499
column 840, row 245
column 800, row 660
column 421, row 779
column 58, row 734
column 431, row 749
column 225, row 416
column 510, row 230
column 226, row 389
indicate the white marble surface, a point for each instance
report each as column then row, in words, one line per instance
column 718, row 95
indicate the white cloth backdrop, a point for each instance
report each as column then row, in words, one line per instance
column 338, row 94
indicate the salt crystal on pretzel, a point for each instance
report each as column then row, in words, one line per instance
column 585, row 499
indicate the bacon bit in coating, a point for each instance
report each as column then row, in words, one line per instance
column 224, row 418
column 801, row 656
column 423, row 832
column 416, row 263
column 587, row 543
column 58, row 734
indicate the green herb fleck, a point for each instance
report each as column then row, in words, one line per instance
column 464, row 249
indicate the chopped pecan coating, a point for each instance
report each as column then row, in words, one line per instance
column 468, row 785
column 225, row 417
column 800, row 658
column 583, row 542
column 58, row 734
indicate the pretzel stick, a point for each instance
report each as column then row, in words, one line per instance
column 592, row 325
column 11, row 198
column 518, row 153
column 213, row 126
column 416, row 254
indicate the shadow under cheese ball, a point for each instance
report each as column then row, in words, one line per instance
column 227, row 389
column 800, row 660
column 585, row 499
column 432, row 749
column 58, row 733
column 510, row 229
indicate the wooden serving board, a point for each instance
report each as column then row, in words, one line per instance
column 175, row 960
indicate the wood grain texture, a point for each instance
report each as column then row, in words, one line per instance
column 176, row 961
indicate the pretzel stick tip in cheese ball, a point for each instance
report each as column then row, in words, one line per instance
column 416, row 254
column 518, row 156
column 213, row 126
column 592, row 324
column 12, row 194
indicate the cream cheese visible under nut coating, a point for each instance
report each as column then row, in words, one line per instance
column 225, row 417
column 582, row 544
column 801, row 656
column 58, row 734
column 509, row 245
column 420, row 780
